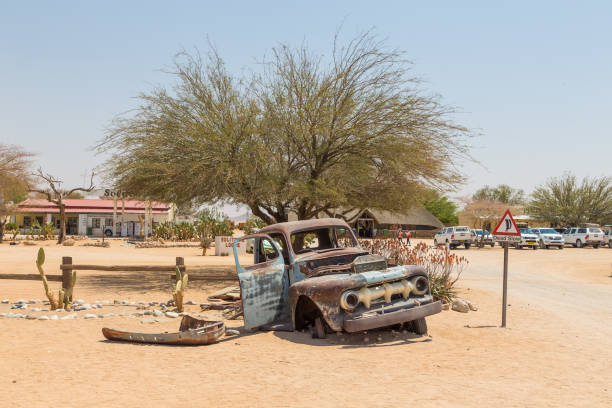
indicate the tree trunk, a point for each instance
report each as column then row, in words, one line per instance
column 62, row 214
column 2, row 224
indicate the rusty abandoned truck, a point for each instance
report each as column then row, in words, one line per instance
column 313, row 273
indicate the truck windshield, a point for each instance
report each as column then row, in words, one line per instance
column 321, row 239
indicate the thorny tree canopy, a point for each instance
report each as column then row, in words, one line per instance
column 304, row 135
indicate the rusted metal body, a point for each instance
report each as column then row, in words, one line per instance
column 191, row 332
column 302, row 286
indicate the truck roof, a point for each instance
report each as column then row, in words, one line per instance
column 291, row 226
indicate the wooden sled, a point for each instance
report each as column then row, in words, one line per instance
column 191, row 332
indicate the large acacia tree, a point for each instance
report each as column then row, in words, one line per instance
column 565, row 201
column 306, row 134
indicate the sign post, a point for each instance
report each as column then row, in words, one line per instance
column 506, row 232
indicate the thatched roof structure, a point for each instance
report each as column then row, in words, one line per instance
column 417, row 217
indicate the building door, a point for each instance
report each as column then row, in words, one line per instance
column 72, row 226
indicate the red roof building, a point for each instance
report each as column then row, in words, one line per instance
column 95, row 217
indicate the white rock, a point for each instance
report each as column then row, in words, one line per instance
column 124, row 302
column 90, row 316
column 30, row 317
column 59, row 310
column 132, row 303
column 79, row 301
column 70, row 316
column 137, row 314
column 172, row 314
column 106, row 302
column 141, row 302
column 460, row 305
column 157, row 313
column 5, row 301
column 108, row 314
column 148, row 312
column 53, row 317
column 43, row 317
column 32, row 301
column 35, row 309
column 472, row 306
column 21, row 301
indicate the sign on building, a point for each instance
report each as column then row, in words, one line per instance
column 224, row 246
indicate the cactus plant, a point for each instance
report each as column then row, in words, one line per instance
column 64, row 295
column 40, row 260
column 179, row 289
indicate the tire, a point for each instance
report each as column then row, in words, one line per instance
column 419, row 326
column 596, row 246
column 435, row 242
column 467, row 246
column 319, row 329
column 578, row 243
column 542, row 246
column 108, row 233
column 493, row 245
column 451, row 246
column 534, row 247
column 561, row 247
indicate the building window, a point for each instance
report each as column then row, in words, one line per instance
column 40, row 220
column 27, row 221
column 108, row 222
column 95, row 223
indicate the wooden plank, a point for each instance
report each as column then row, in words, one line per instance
column 194, row 277
column 30, row 276
column 123, row 268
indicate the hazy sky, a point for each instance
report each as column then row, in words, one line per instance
column 532, row 78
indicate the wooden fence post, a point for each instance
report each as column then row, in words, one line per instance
column 180, row 262
column 66, row 273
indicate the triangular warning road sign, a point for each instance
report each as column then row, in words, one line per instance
column 507, row 226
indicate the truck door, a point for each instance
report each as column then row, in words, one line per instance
column 264, row 284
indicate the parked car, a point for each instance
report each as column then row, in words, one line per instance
column 477, row 237
column 314, row 274
column 548, row 237
column 454, row 236
column 608, row 236
column 528, row 239
column 583, row 236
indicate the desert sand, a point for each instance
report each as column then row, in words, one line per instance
column 555, row 352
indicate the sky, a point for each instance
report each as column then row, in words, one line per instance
column 531, row 79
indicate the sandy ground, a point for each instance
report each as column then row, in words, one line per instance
column 556, row 351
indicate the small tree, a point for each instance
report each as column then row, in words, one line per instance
column 501, row 193
column 253, row 224
column 442, row 208
column 14, row 176
column 56, row 195
column 211, row 223
column 565, row 201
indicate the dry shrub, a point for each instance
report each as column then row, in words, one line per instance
column 68, row 242
column 443, row 267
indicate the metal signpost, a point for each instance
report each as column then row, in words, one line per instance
column 506, row 232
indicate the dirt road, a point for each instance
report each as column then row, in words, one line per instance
column 556, row 351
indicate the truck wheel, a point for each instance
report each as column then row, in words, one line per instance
column 492, row 245
column 578, row 243
column 419, row 326
column 467, row 246
column 319, row 329
column 535, row 247
column 561, row 247
column 108, row 233
column 595, row 246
